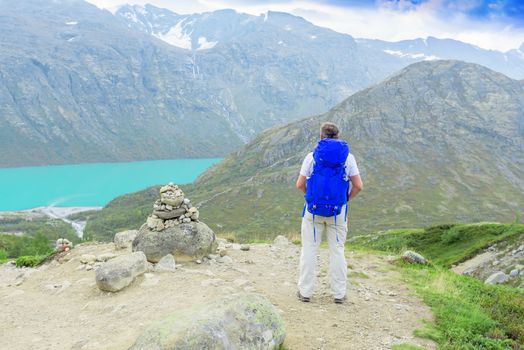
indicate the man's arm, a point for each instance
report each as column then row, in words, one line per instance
column 356, row 186
column 301, row 183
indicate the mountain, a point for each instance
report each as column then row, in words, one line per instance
column 438, row 142
column 510, row 63
column 197, row 32
column 80, row 85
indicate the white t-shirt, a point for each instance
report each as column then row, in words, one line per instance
column 308, row 163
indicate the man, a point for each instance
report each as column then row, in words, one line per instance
column 325, row 179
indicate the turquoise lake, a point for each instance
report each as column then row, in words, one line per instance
column 90, row 184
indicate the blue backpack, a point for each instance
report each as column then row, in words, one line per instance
column 327, row 188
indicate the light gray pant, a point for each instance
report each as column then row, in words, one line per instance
column 336, row 237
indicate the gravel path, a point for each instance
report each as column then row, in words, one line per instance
column 60, row 307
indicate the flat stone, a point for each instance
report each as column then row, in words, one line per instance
column 167, row 215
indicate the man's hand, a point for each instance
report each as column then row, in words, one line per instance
column 356, row 186
column 301, row 183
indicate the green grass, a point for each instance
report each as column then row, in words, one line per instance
column 468, row 313
column 52, row 229
column 30, row 260
column 14, row 246
column 123, row 213
column 444, row 244
column 406, row 346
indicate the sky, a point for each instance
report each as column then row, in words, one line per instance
column 490, row 24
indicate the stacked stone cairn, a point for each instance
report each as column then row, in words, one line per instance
column 171, row 209
column 174, row 228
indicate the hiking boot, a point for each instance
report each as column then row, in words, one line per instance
column 302, row 298
column 340, row 300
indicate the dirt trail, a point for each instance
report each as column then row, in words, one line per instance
column 59, row 307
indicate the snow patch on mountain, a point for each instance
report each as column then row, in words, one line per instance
column 411, row 55
column 204, row 44
column 71, row 23
column 176, row 36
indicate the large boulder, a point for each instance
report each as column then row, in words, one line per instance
column 240, row 321
column 124, row 239
column 187, row 241
column 118, row 273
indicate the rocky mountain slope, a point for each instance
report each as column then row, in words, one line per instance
column 80, row 85
column 197, row 32
column 438, row 142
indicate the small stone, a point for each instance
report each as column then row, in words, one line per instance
column 186, row 220
column 166, row 188
column 89, row 267
column 198, row 261
column 87, row 259
column 223, row 252
column 186, row 201
column 245, row 247
column 280, row 241
column 225, row 260
column 105, row 257
column 166, row 264
column 514, row 273
column 124, row 239
column 153, row 222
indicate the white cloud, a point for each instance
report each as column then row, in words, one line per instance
column 400, row 22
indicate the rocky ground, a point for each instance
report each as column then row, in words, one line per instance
column 500, row 263
column 58, row 306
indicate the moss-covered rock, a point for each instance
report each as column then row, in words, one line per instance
column 240, row 321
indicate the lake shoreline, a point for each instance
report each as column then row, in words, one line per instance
column 90, row 185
